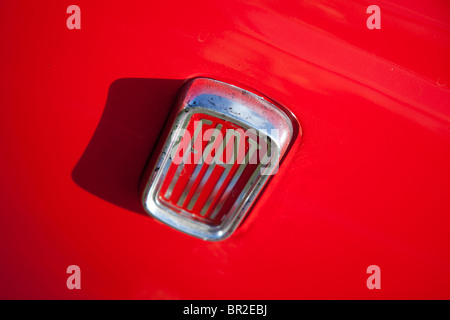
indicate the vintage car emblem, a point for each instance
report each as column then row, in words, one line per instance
column 222, row 145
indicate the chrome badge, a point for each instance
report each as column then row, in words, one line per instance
column 222, row 145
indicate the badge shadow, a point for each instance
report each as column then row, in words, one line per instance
column 134, row 115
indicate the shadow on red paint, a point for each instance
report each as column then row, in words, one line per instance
column 134, row 116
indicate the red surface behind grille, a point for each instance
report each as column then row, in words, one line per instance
column 206, row 184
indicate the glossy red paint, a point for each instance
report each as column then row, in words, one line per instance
column 369, row 183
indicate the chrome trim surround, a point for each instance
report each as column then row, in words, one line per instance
column 230, row 103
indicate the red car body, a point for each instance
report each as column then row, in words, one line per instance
column 367, row 184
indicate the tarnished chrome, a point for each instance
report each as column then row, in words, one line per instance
column 231, row 104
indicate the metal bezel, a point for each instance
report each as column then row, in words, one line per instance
column 233, row 104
